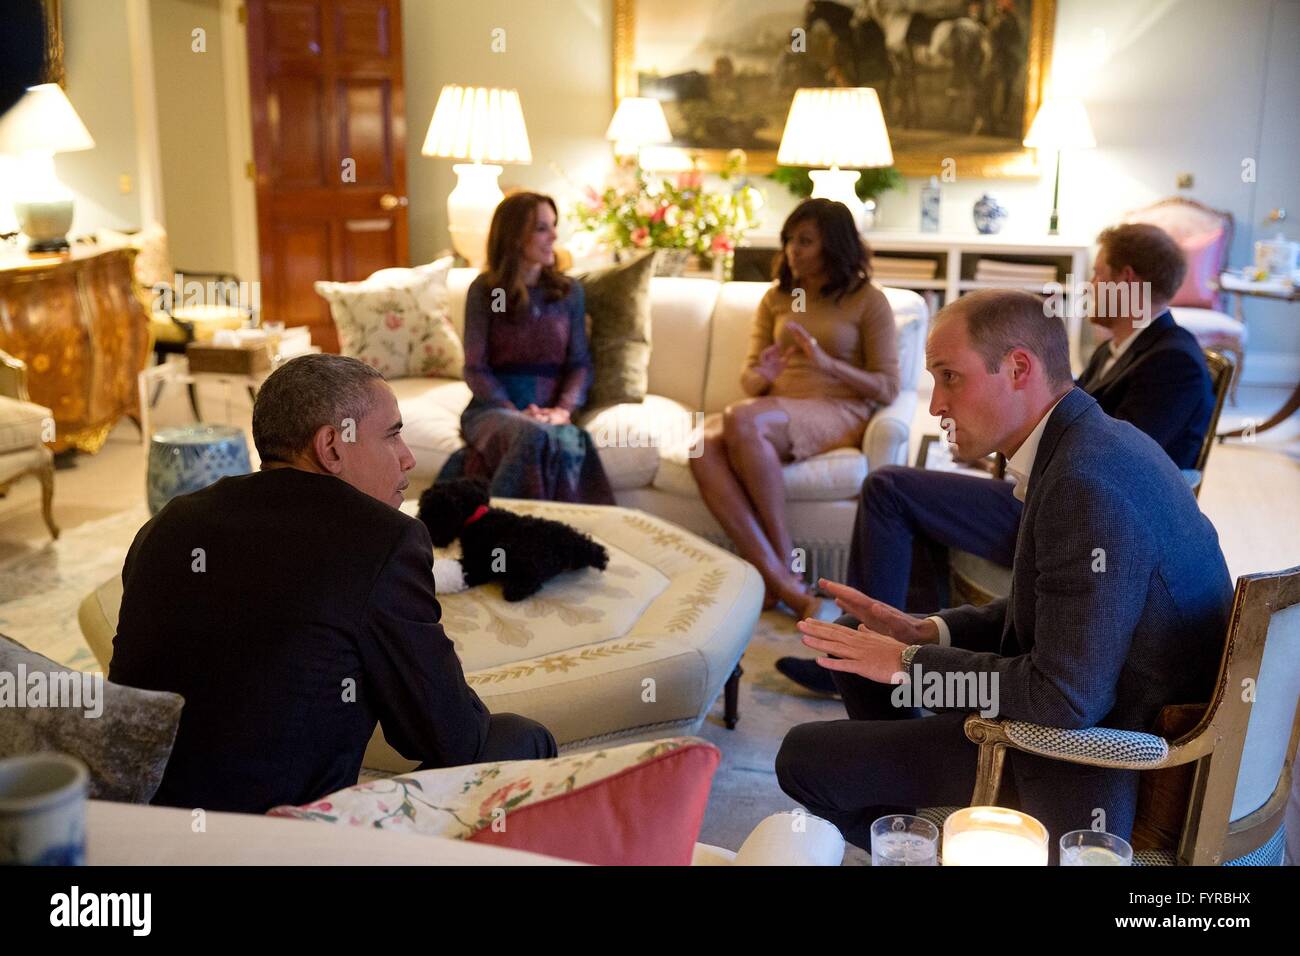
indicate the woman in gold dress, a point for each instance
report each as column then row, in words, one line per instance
column 823, row 356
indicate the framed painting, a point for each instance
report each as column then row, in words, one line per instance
column 957, row 79
column 54, row 72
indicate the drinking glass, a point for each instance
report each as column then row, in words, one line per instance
column 904, row 840
column 1095, row 848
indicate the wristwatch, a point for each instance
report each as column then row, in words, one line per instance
column 909, row 652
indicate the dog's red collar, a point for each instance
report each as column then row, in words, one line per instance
column 479, row 512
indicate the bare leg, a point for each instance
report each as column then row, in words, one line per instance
column 727, row 499
column 756, row 433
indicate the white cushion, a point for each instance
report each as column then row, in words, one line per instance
column 680, row 310
column 792, row 839
column 1208, row 322
column 631, row 437
column 13, row 463
column 21, row 424
column 830, row 476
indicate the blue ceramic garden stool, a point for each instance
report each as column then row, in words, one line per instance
column 186, row 459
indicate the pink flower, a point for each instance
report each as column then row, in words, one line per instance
column 393, row 321
column 324, row 806
column 691, row 180
column 722, row 244
column 640, row 236
column 502, row 797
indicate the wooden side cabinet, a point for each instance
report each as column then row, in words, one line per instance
column 82, row 330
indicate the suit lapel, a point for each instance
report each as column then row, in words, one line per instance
column 1074, row 404
column 1142, row 344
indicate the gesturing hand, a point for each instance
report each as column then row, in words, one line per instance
column 863, row 652
column 879, row 616
column 807, row 344
column 771, row 361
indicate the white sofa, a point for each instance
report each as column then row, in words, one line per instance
column 700, row 334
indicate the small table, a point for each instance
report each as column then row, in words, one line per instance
column 1238, row 287
column 177, row 369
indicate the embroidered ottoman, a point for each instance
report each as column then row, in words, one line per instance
column 636, row 652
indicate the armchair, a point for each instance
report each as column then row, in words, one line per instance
column 22, row 451
column 1242, row 748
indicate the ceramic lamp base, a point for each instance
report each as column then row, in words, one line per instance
column 838, row 184
column 45, row 223
column 470, row 207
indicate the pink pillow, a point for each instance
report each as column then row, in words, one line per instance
column 646, row 815
column 1204, row 254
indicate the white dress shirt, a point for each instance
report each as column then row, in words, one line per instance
column 1020, row 466
column 1117, row 352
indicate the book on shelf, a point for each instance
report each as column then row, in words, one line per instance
column 895, row 268
column 993, row 270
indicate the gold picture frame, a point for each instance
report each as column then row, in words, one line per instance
column 1002, row 160
column 54, row 68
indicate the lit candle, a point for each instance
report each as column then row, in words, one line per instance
column 993, row 836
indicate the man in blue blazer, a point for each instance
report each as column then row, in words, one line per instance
column 1150, row 373
column 1119, row 600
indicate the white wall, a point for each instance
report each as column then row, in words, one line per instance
column 192, row 134
column 558, row 54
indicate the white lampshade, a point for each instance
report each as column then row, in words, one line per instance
column 43, row 121
column 1061, row 123
column 482, row 124
column 638, row 121
column 835, row 127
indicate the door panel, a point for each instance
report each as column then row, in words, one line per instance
column 329, row 142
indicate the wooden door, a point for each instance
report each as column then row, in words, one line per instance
column 329, row 145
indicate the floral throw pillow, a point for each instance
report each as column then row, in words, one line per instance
column 397, row 321
column 640, row 803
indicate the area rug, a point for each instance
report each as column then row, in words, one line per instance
column 41, row 591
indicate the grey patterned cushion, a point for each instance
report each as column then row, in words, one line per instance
column 122, row 734
column 1101, row 746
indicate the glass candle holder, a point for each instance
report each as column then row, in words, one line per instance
column 993, row 836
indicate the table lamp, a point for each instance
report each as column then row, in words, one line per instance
column 485, row 126
column 1061, row 123
column 993, row 836
column 836, row 128
column 41, row 124
column 639, row 121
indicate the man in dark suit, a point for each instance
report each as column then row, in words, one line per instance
column 1151, row 373
column 294, row 607
column 1119, row 601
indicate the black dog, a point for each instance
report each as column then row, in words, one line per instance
column 522, row 551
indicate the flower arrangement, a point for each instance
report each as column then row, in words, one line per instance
column 645, row 212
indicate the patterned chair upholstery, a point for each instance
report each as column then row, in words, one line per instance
column 1242, row 748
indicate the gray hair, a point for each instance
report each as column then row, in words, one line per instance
column 306, row 393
